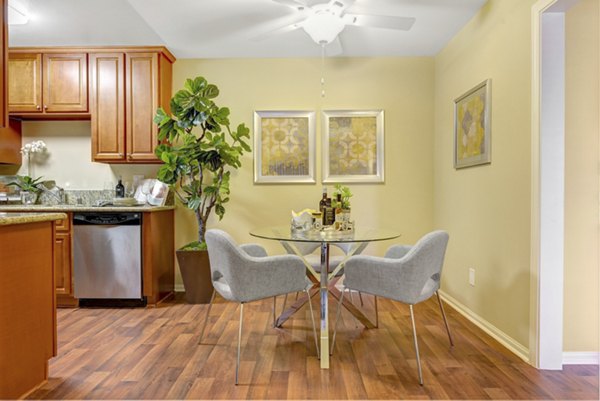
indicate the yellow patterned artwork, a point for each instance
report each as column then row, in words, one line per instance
column 472, row 133
column 353, row 146
column 285, row 141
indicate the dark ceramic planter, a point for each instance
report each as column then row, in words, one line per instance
column 195, row 272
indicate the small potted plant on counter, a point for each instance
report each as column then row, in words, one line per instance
column 30, row 188
column 344, row 194
column 198, row 151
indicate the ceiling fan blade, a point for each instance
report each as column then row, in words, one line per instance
column 277, row 31
column 380, row 21
column 291, row 3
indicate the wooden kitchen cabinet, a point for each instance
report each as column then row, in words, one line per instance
column 126, row 90
column 63, row 262
column 47, row 84
column 27, row 307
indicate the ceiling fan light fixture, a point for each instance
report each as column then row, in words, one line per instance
column 323, row 28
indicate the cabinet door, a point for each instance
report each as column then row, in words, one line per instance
column 141, row 94
column 62, row 263
column 3, row 64
column 25, row 82
column 65, row 83
column 107, row 106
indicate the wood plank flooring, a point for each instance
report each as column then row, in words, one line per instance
column 154, row 354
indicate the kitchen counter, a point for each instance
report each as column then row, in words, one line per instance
column 26, row 218
column 82, row 208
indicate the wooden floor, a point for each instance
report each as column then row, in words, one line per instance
column 153, row 354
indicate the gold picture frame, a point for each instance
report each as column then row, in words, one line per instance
column 284, row 147
column 472, row 126
column 353, row 146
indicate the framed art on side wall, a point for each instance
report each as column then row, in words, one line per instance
column 284, row 147
column 353, row 146
column 472, row 126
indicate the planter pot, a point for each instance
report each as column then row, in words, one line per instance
column 28, row 198
column 195, row 272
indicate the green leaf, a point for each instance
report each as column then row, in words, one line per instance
column 211, row 91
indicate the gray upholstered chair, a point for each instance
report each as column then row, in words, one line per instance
column 245, row 273
column 406, row 274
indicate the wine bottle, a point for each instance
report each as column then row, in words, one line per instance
column 323, row 201
column 120, row 189
column 338, row 207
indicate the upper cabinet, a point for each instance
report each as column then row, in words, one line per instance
column 118, row 89
column 45, row 84
column 10, row 131
column 125, row 91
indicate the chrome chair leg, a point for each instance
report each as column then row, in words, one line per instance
column 445, row 320
column 237, row 365
column 337, row 318
column 275, row 311
column 361, row 300
column 376, row 312
column 312, row 320
column 412, row 318
column 212, row 298
column 284, row 302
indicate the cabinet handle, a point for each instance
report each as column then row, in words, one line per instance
column 45, row 107
column 37, row 106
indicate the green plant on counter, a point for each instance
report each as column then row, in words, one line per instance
column 27, row 184
column 198, row 151
column 346, row 195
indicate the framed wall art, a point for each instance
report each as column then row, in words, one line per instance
column 472, row 126
column 284, row 147
column 353, row 146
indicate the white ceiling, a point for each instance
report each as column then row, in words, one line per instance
column 226, row 28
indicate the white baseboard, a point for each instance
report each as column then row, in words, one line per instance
column 513, row 345
column 581, row 358
column 179, row 288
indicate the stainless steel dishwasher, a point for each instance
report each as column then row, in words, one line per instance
column 107, row 259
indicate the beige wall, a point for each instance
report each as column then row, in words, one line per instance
column 68, row 157
column 486, row 208
column 402, row 87
column 581, row 178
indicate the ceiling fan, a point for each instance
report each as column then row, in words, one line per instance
column 323, row 22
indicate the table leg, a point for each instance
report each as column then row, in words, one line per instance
column 324, row 307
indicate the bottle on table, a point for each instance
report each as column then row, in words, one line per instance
column 338, row 207
column 323, row 201
column 120, row 189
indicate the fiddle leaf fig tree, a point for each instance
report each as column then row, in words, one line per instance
column 198, row 151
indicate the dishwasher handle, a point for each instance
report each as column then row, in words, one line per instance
column 121, row 219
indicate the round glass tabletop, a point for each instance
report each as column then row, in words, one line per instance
column 360, row 234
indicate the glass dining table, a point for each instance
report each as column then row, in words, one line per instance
column 360, row 237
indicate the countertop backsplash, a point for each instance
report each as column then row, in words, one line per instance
column 83, row 197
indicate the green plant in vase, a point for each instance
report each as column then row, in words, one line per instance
column 30, row 188
column 345, row 193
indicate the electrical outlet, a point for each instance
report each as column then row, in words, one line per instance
column 472, row 277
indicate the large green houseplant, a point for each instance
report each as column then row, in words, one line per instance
column 198, row 150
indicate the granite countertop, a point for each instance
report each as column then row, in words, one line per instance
column 25, row 218
column 82, row 208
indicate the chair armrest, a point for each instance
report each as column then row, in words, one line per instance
column 254, row 250
column 397, row 251
column 375, row 275
column 264, row 277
